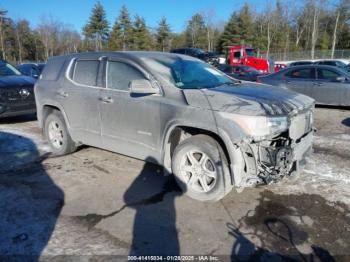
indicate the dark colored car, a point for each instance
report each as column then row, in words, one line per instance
column 337, row 63
column 209, row 57
column 241, row 72
column 299, row 63
column 328, row 85
column 210, row 131
column 31, row 69
column 16, row 92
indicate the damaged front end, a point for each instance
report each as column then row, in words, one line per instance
column 268, row 159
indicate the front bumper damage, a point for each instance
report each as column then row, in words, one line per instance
column 269, row 160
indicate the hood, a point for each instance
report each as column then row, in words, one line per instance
column 12, row 81
column 258, row 63
column 249, row 99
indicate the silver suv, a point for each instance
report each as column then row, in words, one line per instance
column 209, row 130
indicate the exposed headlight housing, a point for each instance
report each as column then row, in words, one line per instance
column 259, row 126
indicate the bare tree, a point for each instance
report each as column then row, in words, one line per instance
column 335, row 34
column 315, row 26
column 19, row 43
column 209, row 24
column 3, row 18
column 48, row 30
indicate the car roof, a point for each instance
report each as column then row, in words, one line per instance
column 132, row 55
column 287, row 69
column 309, row 66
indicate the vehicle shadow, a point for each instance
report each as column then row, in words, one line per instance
column 346, row 122
column 30, row 202
column 18, row 119
column 154, row 228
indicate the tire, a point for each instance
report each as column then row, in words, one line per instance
column 193, row 179
column 56, row 132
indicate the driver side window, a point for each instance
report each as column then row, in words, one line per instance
column 119, row 75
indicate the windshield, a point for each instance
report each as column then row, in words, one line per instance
column 8, row 70
column 187, row 74
column 250, row 52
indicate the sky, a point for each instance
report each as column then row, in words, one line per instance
column 76, row 12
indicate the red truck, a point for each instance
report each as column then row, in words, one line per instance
column 245, row 55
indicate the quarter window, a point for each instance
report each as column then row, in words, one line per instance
column 86, row 72
column 119, row 75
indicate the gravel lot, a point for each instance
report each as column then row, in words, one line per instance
column 95, row 203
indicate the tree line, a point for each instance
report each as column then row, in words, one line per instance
column 283, row 26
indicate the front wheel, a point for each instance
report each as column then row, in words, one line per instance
column 200, row 168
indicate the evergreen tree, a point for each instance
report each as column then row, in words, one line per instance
column 142, row 39
column 196, row 32
column 163, row 35
column 97, row 27
column 239, row 29
column 121, row 36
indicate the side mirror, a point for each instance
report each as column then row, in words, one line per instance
column 340, row 79
column 142, row 86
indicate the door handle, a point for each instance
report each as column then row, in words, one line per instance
column 62, row 94
column 106, row 99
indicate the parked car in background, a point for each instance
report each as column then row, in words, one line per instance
column 298, row 63
column 16, row 92
column 328, row 85
column 211, row 131
column 240, row 72
column 337, row 63
column 31, row 69
column 279, row 66
column 209, row 57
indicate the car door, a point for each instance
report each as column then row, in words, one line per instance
column 327, row 90
column 78, row 94
column 130, row 124
column 300, row 80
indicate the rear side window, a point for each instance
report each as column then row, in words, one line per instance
column 326, row 74
column 119, row 75
column 86, row 72
column 305, row 73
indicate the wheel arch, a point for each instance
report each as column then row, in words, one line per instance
column 48, row 108
column 179, row 132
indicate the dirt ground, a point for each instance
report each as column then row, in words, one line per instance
column 97, row 204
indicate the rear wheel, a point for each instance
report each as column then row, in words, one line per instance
column 57, row 134
column 201, row 170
